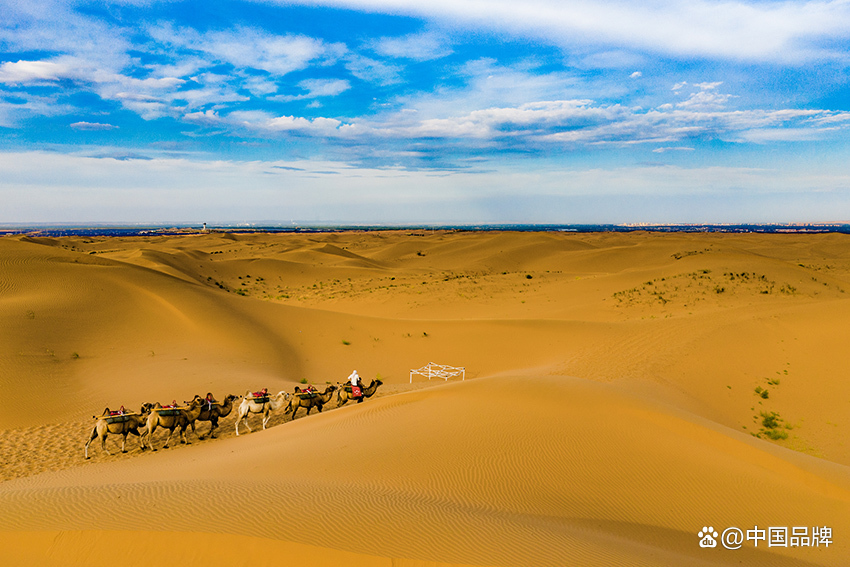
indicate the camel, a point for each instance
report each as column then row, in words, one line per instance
column 213, row 412
column 317, row 401
column 171, row 419
column 249, row 405
column 117, row 424
column 343, row 394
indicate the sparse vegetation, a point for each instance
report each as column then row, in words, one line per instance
column 773, row 426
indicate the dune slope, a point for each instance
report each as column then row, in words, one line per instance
column 553, row 469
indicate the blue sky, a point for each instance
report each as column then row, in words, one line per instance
column 391, row 111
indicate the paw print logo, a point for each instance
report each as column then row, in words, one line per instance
column 707, row 537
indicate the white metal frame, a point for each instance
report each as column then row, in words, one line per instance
column 434, row 370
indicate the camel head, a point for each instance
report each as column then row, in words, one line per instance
column 231, row 397
column 146, row 408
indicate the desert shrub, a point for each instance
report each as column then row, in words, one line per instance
column 776, row 434
column 770, row 420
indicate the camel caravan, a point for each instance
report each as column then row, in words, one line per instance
column 175, row 417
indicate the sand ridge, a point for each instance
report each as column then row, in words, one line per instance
column 614, row 386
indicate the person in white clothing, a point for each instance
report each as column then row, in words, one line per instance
column 354, row 379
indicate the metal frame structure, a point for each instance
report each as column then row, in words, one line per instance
column 434, row 370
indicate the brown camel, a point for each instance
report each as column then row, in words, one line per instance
column 171, row 419
column 316, row 400
column 213, row 411
column 117, row 425
column 264, row 405
column 344, row 393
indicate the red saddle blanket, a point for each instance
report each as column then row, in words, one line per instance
column 356, row 392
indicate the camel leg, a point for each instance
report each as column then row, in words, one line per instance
column 213, row 427
column 148, row 435
column 92, row 438
column 244, row 419
column 185, row 438
column 124, row 443
column 168, row 439
column 103, row 442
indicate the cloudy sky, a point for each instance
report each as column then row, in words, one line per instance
column 409, row 111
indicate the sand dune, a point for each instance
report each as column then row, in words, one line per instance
column 615, row 387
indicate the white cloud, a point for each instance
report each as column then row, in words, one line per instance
column 259, row 122
column 53, row 26
column 372, row 70
column 317, row 88
column 324, row 87
column 765, row 135
column 259, row 86
column 26, row 106
column 728, row 29
column 419, row 47
column 583, row 122
column 672, row 149
column 251, row 48
column 92, row 126
column 708, row 86
column 34, row 72
column 705, row 100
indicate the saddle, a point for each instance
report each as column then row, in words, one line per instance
column 166, row 411
column 119, row 418
column 307, row 395
column 355, row 391
column 258, row 398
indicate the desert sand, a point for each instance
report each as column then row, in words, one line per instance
column 622, row 392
